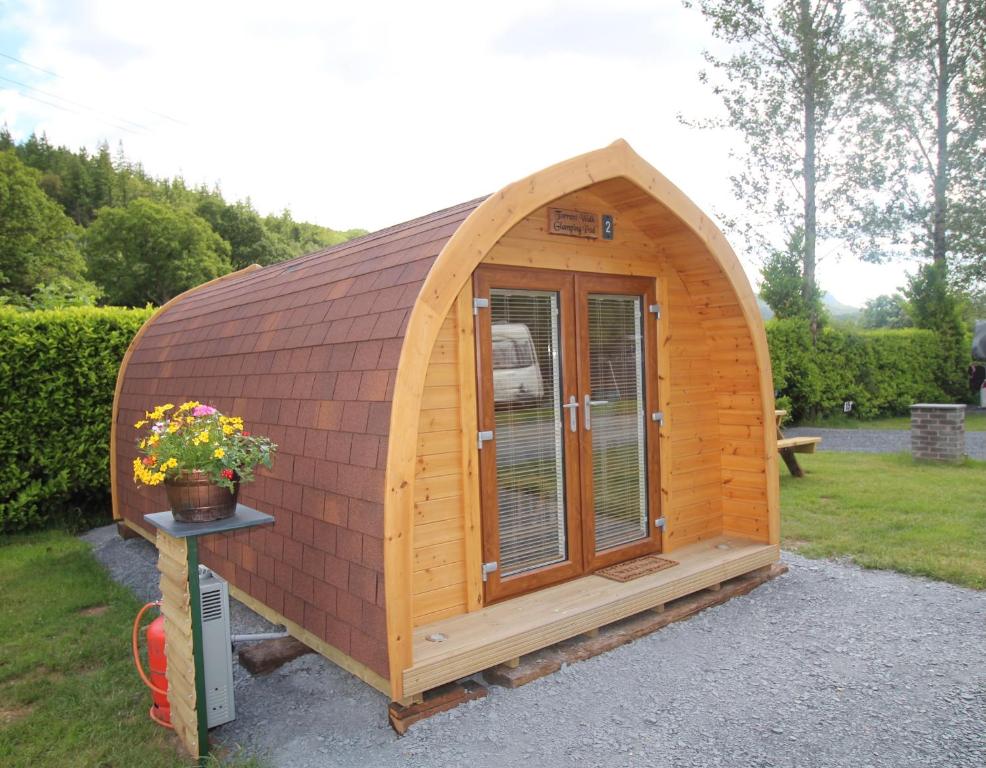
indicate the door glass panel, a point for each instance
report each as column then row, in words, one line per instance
column 528, row 424
column 617, row 419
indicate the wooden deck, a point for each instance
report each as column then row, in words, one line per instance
column 496, row 634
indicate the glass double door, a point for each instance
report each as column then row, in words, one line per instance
column 567, row 386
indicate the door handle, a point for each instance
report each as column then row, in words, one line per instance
column 587, row 413
column 572, row 406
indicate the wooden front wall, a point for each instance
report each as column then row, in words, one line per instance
column 712, row 442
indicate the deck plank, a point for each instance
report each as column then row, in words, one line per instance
column 497, row 633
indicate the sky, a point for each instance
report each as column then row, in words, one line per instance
column 371, row 113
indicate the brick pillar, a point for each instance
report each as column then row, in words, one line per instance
column 938, row 431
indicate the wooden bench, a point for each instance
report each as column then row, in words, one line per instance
column 788, row 446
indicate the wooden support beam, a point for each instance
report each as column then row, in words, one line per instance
column 403, row 716
column 549, row 660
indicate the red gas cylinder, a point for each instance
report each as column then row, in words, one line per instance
column 158, row 681
column 158, row 664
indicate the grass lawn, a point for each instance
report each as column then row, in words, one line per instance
column 975, row 421
column 69, row 695
column 886, row 511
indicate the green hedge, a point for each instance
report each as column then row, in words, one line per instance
column 57, row 376
column 882, row 372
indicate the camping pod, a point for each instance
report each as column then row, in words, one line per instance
column 478, row 411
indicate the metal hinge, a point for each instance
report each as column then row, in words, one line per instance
column 658, row 416
column 488, row 568
column 659, row 522
column 655, row 309
column 478, row 304
column 483, row 436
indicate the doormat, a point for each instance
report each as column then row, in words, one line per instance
column 633, row 569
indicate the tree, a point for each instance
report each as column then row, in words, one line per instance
column 922, row 78
column 932, row 304
column 38, row 242
column 886, row 311
column 240, row 226
column 150, row 252
column 783, row 88
column 62, row 292
column 783, row 283
column 301, row 237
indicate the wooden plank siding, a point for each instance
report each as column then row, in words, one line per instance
column 438, row 580
column 712, row 468
column 715, row 372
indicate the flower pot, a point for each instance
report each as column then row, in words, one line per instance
column 195, row 498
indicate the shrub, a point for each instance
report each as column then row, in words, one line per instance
column 882, row 372
column 57, row 376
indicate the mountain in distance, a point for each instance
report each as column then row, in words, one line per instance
column 835, row 307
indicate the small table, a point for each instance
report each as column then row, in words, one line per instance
column 788, row 446
column 178, row 562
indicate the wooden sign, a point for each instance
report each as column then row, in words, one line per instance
column 572, row 223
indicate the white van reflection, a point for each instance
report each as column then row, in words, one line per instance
column 516, row 374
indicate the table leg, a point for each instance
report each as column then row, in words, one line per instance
column 792, row 462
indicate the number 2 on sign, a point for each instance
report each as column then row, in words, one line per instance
column 607, row 227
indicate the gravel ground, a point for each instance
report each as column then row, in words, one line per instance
column 879, row 440
column 829, row 665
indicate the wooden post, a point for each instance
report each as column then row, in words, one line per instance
column 181, row 604
column 179, row 642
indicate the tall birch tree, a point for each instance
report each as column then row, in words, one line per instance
column 783, row 86
column 922, row 87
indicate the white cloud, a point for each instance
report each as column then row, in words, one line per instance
column 368, row 114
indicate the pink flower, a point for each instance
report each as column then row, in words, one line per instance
column 203, row 410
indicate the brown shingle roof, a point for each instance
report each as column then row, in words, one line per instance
column 306, row 352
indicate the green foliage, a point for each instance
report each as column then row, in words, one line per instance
column 85, row 184
column 150, row 252
column 60, row 293
column 886, row 312
column 882, row 372
column 38, row 243
column 57, row 377
column 302, row 237
column 783, row 286
column 933, row 305
column 241, row 226
column 779, row 70
column 921, row 86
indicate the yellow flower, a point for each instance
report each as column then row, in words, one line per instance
column 172, row 462
column 140, row 423
column 173, row 427
column 219, row 453
column 189, row 405
column 154, row 439
column 228, row 430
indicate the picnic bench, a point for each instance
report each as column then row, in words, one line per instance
column 788, row 446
